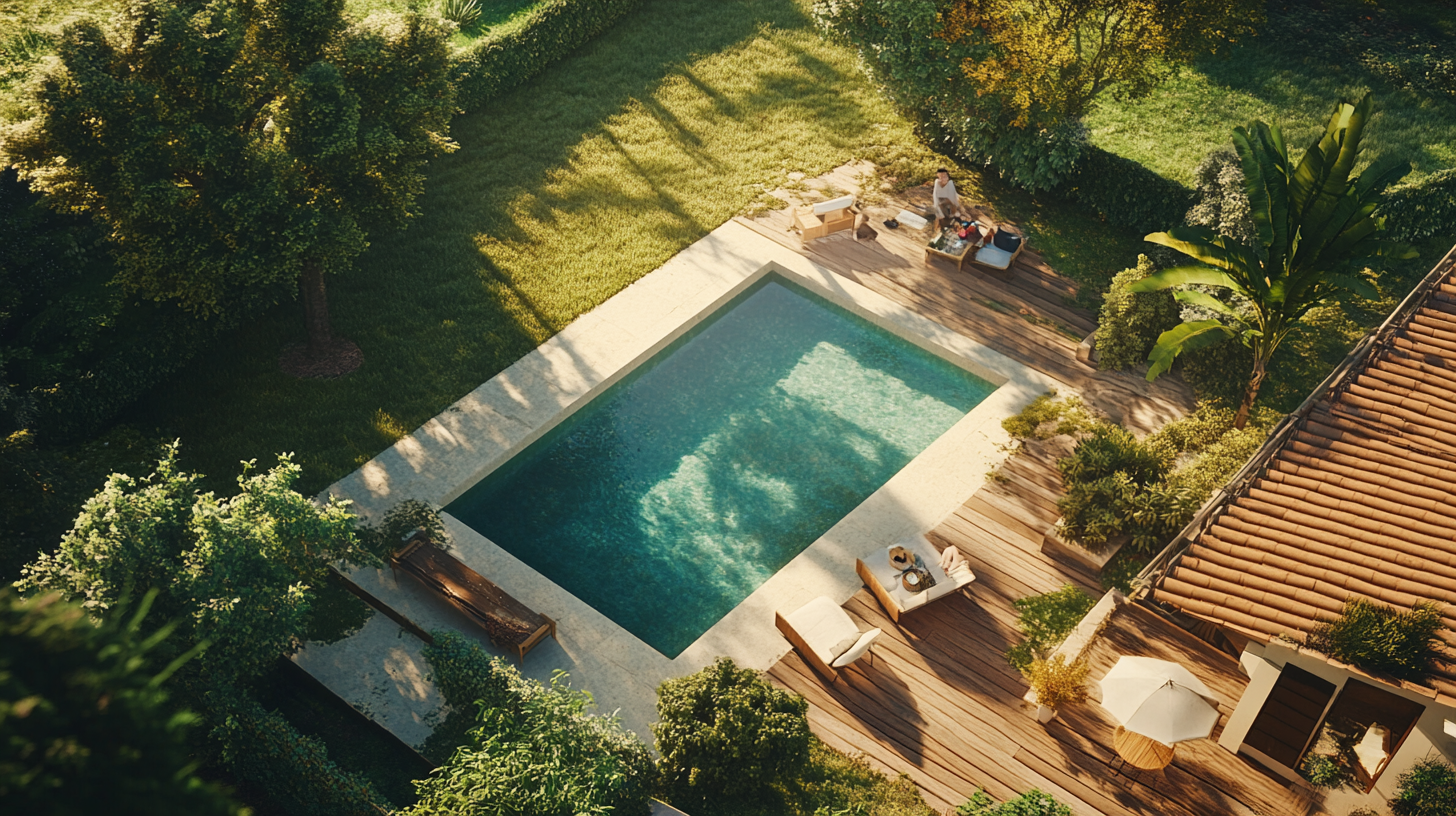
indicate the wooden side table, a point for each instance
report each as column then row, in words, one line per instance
column 967, row 249
column 1141, row 752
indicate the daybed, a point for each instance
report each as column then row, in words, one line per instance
column 1003, row 250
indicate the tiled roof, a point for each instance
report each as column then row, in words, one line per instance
column 1356, row 497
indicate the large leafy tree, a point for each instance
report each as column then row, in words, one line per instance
column 235, row 149
column 85, row 718
column 1053, row 58
column 233, row 571
column 1317, row 236
column 1008, row 80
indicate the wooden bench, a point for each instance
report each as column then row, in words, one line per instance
column 824, row 218
column 511, row 624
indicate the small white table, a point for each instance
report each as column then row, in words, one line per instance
column 884, row 581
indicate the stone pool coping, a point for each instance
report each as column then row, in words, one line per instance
column 380, row 669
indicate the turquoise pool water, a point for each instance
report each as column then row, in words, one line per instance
column 678, row 491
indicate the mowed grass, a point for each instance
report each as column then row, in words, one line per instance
column 563, row 193
column 1268, row 79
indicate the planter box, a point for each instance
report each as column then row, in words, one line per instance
column 1087, row 350
column 1053, row 545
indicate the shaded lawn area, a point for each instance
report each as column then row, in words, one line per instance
column 562, row 194
column 1274, row 78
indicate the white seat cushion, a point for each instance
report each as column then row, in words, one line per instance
column 826, row 628
column 856, row 651
column 841, row 203
column 993, row 257
column 1371, row 749
column 911, row 220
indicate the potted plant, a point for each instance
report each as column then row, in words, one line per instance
column 1057, row 683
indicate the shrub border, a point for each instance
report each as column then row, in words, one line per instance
column 492, row 66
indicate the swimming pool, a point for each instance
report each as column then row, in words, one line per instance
column 679, row 490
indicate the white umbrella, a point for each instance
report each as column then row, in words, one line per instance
column 1160, row 700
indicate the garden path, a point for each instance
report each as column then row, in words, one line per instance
column 1026, row 312
column 940, row 703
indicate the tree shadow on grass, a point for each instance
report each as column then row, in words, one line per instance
column 564, row 192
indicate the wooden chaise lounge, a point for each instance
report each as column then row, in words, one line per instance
column 511, row 624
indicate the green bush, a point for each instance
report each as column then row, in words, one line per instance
column 1096, row 511
column 1125, row 193
column 1218, row 462
column 727, row 736
column 1422, row 209
column 1045, row 620
column 263, row 750
column 1034, row 421
column 74, row 352
column 528, row 750
column 1382, row 639
column 492, row 66
column 1032, row 158
column 1324, row 772
column 1131, row 321
column 402, row 520
column 134, row 347
column 463, row 13
column 1116, row 484
column 466, row 677
column 835, row 783
column 1154, row 515
column 1031, row 803
column 1193, row 432
column 1427, row 789
column 1112, row 449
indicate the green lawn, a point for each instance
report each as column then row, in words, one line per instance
column 1274, row 77
column 562, row 194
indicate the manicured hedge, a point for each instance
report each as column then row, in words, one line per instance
column 495, row 65
column 1127, row 194
column 1422, row 210
column 294, row 770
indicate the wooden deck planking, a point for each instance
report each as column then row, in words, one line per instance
column 940, row 703
column 1026, row 313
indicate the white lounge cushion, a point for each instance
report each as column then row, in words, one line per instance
column 841, row 203
column 856, row 651
column 911, row 220
column 826, row 628
column 994, row 257
column 1371, row 749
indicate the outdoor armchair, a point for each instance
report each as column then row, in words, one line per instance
column 825, row 636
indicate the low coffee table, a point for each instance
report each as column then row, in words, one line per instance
column 951, row 246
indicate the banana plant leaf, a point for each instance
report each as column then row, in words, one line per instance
column 1184, row 337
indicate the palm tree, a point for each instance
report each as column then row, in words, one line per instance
column 1316, row 237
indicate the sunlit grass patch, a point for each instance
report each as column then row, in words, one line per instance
column 562, row 193
column 1195, row 111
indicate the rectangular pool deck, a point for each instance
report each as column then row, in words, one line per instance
column 940, row 703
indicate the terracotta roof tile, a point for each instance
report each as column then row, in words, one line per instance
column 1359, row 500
